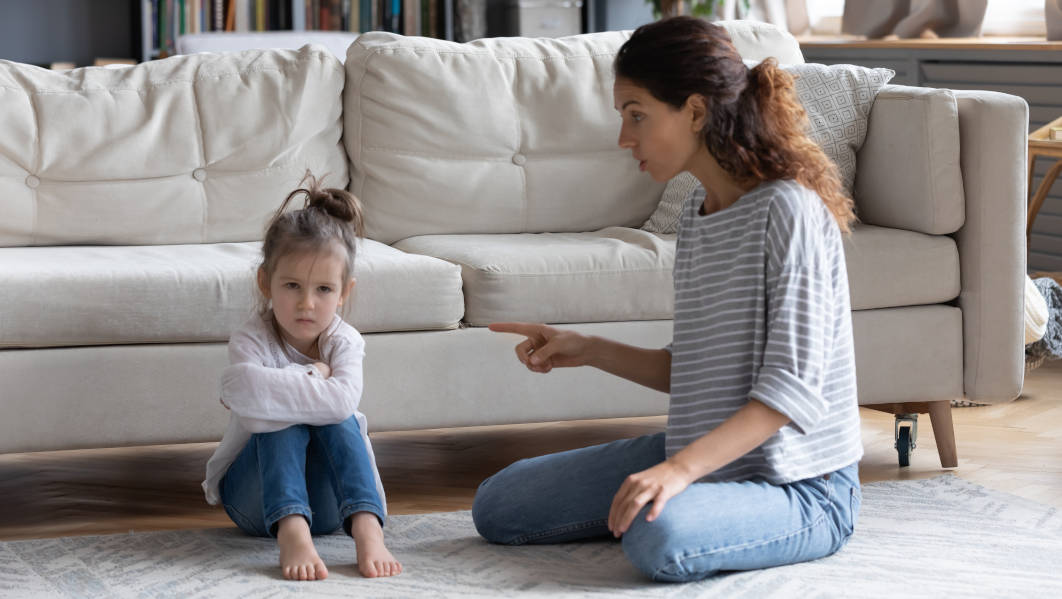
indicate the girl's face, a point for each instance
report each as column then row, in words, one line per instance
column 306, row 289
column 661, row 138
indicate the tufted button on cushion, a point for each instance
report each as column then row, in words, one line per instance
column 199, row 174
column 519, row 159
column 32, row 182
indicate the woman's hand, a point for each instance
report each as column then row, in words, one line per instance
column 657, row 484
column 547, row 348
column 324, row 369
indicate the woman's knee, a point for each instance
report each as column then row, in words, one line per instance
column 495, row 506
column 658, row 548
column 486, row 514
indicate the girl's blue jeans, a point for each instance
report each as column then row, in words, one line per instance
column 708, row 528
column 323, row 473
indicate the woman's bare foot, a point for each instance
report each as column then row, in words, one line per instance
column 373, row 557
column 298, row 557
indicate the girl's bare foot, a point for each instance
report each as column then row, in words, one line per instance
column 298, row 557
column 373, row 557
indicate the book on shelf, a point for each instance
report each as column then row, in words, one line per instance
column 163, row 21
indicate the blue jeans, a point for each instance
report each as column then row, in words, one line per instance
column 708, row 528
column 324, row 473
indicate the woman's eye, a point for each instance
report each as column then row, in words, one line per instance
column 637, row 117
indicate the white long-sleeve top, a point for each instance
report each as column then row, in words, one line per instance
column 269, row 386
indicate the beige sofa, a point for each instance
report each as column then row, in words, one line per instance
column 132, row 200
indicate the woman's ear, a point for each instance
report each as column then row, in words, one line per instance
column 346, row 291
column 263, row 282
column 698, row 109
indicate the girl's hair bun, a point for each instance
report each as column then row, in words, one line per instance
column 337, row 203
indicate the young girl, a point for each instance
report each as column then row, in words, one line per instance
column 296, row 458
column 758, row 465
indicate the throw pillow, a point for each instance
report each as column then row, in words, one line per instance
column 837, row 99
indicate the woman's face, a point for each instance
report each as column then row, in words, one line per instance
column 661, row 138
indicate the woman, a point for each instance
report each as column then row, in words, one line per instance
column 758, row 465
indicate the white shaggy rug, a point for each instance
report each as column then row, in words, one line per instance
column 942, row 537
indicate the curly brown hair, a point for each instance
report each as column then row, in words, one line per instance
column 756, row 127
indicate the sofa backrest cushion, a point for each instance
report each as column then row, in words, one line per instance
column 189, row 149
column 503, row 135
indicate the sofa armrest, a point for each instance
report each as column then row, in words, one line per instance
column 993, row 129
column 908, row 174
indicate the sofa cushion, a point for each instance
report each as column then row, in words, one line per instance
column 909, row 175
column 94, row 295
column 530, row 147
column 614, row 274
column 891, row 268
column 189, row 149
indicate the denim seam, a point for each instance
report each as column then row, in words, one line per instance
column 558, row 530
column 348, row 509
column 752, row 544
column 378, row 512
column 285, row 511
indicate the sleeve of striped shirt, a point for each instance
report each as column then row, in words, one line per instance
column 799, row 301
column 794, row 359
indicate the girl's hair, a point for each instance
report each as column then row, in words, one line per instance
column 755, row 127
column 328, row 217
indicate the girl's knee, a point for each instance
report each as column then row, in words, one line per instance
column 294, row 431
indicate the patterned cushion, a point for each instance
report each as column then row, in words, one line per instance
column 837, row 99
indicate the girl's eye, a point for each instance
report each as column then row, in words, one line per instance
column 324, row 289
column 291, row 285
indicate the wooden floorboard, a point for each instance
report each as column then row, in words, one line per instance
column 1014, row 447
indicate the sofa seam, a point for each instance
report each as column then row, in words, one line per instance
column 453, row 156
column 393, row 50
column 202, row 161
column 524, row 209
column 931, row 164
column 364, row 65
column 496, row 274
column 37, row 159
column 155, row 84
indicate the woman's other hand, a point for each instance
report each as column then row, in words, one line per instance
column 657, row 485
column 547, row 348
column 324, row 369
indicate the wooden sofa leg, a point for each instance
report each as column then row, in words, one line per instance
column 943, row 432
column 939, row 416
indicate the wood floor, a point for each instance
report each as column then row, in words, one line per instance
column 1014, row 447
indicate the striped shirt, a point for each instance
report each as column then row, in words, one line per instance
column 762, row 311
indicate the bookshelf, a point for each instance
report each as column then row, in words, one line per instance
column 163, row 21
column 430, row 18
